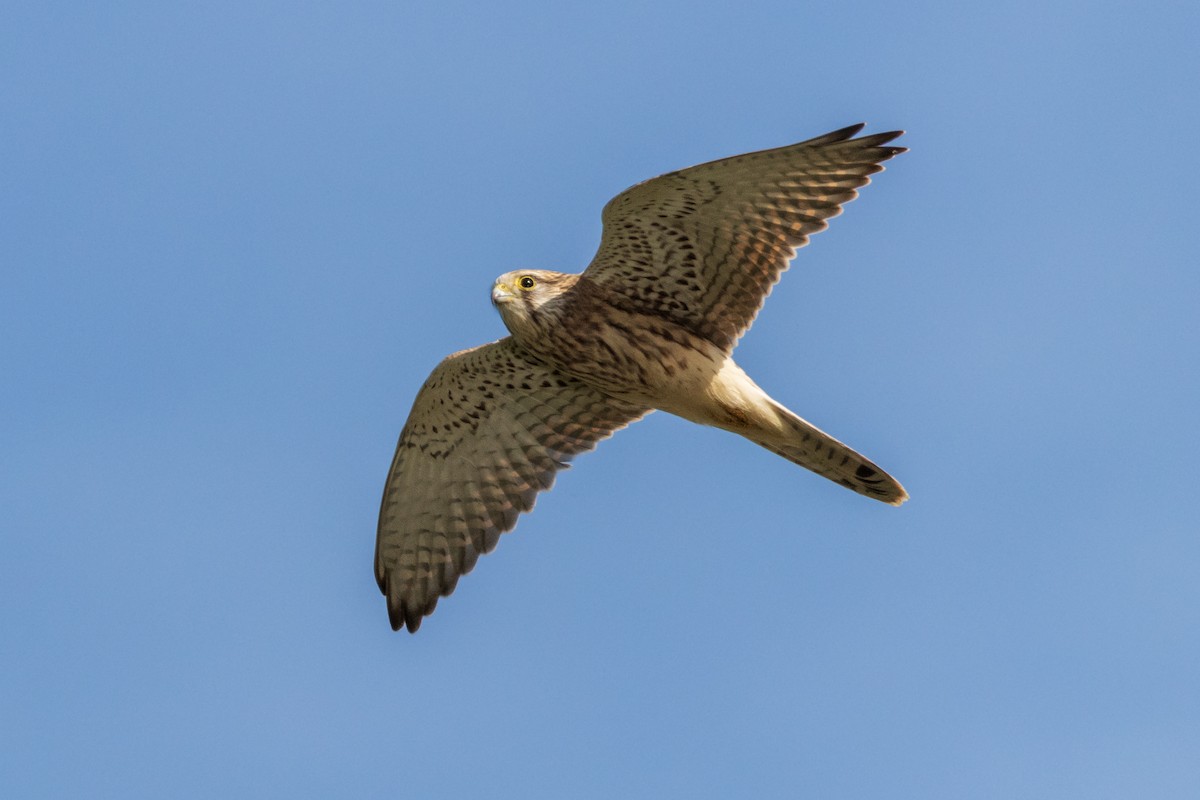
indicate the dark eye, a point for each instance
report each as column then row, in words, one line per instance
column 526, row 282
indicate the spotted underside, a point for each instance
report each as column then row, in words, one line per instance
column 703, row 246
column 694, row 251
column 487, row 432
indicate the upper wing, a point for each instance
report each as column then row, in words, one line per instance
column 703, row 246
column 487, row 432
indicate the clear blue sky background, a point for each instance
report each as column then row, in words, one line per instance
column 235, row 238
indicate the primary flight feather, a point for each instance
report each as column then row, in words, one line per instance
column 685, row 262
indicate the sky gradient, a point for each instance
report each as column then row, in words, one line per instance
column 234, row 241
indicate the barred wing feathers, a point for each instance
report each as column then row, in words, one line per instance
column 489, row 430
column 703, row 246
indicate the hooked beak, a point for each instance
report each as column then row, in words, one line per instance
column 501, row 294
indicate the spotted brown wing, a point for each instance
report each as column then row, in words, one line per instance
column 703, row 246
column 487, row 432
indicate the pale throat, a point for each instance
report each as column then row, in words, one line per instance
column 536, row 323
column 519, row 320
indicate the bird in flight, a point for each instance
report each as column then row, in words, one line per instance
column 685, row 262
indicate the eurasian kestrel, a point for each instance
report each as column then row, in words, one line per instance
column 684, row 264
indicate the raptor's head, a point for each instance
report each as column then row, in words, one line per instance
column 525, row 296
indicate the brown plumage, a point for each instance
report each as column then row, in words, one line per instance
column 684, row 264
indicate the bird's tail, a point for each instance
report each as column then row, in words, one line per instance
column 812, row 448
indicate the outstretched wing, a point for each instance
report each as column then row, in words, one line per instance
column 487, row 432
column 703, row 246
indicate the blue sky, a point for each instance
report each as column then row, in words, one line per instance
column 235, row 238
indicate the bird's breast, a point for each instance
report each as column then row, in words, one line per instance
column 640, row 358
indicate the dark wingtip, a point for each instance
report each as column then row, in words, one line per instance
column 883, row 138
column 840, row 135
column 877, row 143
column 848, row 131
column 845, row 136
column 398, row 614
column 878, row 140
column 408, row 615
column 401, row 617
